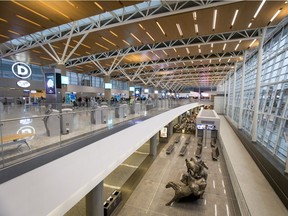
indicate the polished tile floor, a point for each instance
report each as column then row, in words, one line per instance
column 148, row 197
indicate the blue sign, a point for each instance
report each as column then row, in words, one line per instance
column 50, row 83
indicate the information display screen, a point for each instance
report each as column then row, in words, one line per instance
column 163, row 132
column 108, row 85
column 50, row 83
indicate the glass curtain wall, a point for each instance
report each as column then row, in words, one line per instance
column 272, row 129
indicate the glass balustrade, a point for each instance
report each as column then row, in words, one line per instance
column 29, row 131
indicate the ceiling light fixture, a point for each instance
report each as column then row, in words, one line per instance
column 150, row 36
column 220, row 60
column 252, row 43
column 126, row 42
column 99, row 6
column 136, row 38
column 210, row 61
column 4, row 36
column 187, row 50
column 77, row 54
column 49, row 6
column 236, row 46
column 109, row 41
column 184, row 64
column 234, row 18
column 141, row 26
column 175, row 50
column 259, row 8
column 13, row 32
column 30, row 21
column 224, row 46
column 211, row 51
column 161, row 28
column 165, row 52
column 229, row 60
column 113, row 33
column 179, row 29
column 249, row 25
column 196, row 28
column 101, row 46
column 3, row 20
column 45, row 58
column 194, row 15
column 275, row 15
column 214, row 19
column 36, row 51
column 23, row 6
column 199, row 50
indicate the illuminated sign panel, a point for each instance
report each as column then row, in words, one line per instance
column 21, row 70
column 50, row 83
column 23, row 84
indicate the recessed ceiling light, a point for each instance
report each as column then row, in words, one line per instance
column 199, row 50
column 126, row 42
column 113, row 33
column 161, row 28
column 275, row 15
column 3, row 20
column 224, row 46
column 229, row 60
column 234, row 18
column 141, row 27
column 150, row 36
column 237, row 46
column 175, row 50
column 196, row 28
column 99, row 6
column 136, row 38
column 4, row 36
column 29, row 9
column 259, row 8
column 214, row 19
column 194, row 15
column 252, row 42
column 249, row 25
column 101, row 46
column 13, row 32
column 187, row 50
column 179, row 29
column 165, row 52
column 30, row 21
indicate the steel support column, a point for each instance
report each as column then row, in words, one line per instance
column 257, row 90
column 242, row 91
column 94, row 201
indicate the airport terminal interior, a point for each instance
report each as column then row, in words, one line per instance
column 155, row 107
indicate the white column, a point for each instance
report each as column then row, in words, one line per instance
column 228, row 101
column 234, row 89
column 225, row 92
column 242, row 92
column 257, row 90
column 94, row 201
column 153, row 145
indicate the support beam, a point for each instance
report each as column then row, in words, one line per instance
column 234, row 91
column 94, row 201
column 242, row 91
column 257, row 90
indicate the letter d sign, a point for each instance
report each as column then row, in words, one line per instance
column 21, row 70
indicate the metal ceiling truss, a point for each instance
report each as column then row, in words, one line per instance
column 181, row 43
column 106, row 20
column 183, row 60
column 188, row 68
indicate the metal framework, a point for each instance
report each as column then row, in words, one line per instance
column 106, row 21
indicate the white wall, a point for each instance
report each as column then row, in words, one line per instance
column 54, row 188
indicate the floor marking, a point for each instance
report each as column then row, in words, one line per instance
column 219, row 169
column 214, row 184
column 224, row 191
column 223, row 184
column 215, row 208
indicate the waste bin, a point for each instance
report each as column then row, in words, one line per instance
column 66, row 120
column 119, row 111
column 112, row 202
column 104, row 114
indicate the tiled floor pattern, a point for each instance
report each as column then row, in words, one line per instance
column 150, row 195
